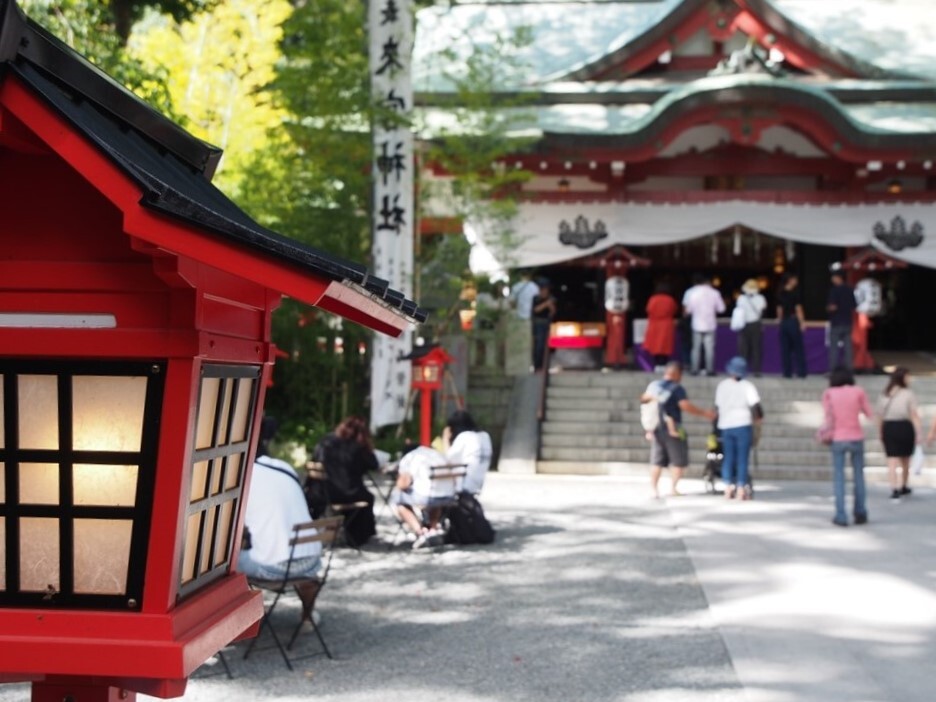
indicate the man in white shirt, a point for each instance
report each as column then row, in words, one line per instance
column 750, row 337
column 522, row 294
column 275, row 504
column 704, row 303
column 466, row 444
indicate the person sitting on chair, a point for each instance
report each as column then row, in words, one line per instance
column 347, row 455
column 465, row 443
column 276, row 503
column 415, row 489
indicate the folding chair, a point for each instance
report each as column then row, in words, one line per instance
column 346, row 510
column 325, row 531
column 453, row 472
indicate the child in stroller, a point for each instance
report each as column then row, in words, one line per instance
column 714, row 455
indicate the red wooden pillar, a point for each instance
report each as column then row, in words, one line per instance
column 425, row 417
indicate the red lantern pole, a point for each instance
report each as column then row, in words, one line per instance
column 615, row 320
column 425, row 416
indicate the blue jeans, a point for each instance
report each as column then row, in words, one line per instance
column 856, row 449
column 736, row 447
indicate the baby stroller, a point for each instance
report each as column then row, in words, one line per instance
column 715, row 455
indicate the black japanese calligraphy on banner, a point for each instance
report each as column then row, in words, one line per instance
column 391, row 48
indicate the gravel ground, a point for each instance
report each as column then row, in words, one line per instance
column 587, row 594
column 594, row 592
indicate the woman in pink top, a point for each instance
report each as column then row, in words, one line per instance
column 844, row 403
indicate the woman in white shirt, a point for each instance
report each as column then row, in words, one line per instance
column 464, row 443
column 738, row 405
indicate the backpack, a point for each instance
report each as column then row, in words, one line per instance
column 651, row 412
column 467, row 523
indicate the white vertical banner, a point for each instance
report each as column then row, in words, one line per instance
column 391, row 49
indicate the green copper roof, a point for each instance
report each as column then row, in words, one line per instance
column 893, row 35
column 864, row 120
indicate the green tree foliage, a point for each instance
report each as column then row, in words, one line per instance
column 217, row 67
column 88, row 26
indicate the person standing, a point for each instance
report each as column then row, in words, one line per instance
column 737, row 404
column 661, row 333
column 750, row 338
column 685, row 321
column 669, row 444
column 543, row 313
column 899, row 416
column 792, row 324
column 841, row 307
column 843, row 403
column 522, row 294
column 704, row 305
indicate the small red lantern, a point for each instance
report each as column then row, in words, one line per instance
column 429, row 364
column 135, row 309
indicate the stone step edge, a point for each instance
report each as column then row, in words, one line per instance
column 874, row 474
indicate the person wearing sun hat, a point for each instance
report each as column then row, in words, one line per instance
column 738, row 405
column 750, row 338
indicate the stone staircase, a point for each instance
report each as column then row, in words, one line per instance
column 592, row 425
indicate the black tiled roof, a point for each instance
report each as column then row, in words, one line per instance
column 172, row 167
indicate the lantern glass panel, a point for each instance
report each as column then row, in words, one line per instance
column 232, row 476
column 225, row 524
column 199, row 481
column 39, row 483
column 111, row 486
column 222, row 437
column 207, row 406
column 107, row 413
column 216, row 477
column 39, row 554
column 38, row 412
column 192, row 532
column 207, row 547
column 242, row 417
column 102, row 555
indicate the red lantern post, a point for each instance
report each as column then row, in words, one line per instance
column 135, row 349
column 429, row 364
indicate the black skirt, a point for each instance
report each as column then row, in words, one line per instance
column 899, row 438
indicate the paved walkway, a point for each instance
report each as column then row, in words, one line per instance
column 594, row 592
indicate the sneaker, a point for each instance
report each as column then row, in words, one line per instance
column 895, row 495
column 838, row 522
column 905, row 490
column 421, row 541
column 861, row 519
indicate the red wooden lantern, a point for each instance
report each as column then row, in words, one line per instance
column 135, row 308
column 429, row 364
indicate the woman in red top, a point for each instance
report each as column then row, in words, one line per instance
column 658, row 341
column 844, row 403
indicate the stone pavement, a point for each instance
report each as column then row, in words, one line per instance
column 594, row 592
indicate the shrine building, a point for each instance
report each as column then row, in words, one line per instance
column 737, row 138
